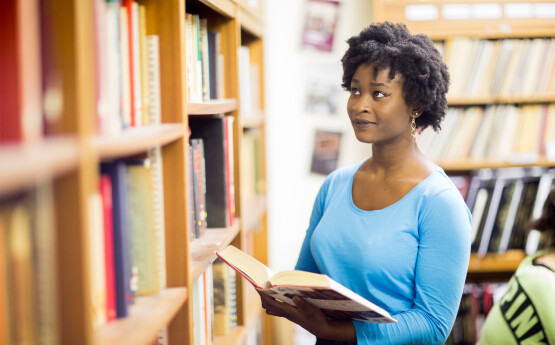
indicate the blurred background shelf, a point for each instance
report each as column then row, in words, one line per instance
column 24, row 165
column 147, row 316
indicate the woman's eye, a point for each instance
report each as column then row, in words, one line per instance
column 379, row 94
column 354, row 91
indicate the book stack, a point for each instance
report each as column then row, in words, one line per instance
column 212, row 172
column 205, row 62
column 500, row 133
column 28, row 268
column 502, row 201
column 127, row 236
column 126, row 67
column 500, row 68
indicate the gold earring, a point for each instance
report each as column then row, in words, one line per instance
column 413, row 129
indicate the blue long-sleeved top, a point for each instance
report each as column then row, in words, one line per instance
column 409, row 258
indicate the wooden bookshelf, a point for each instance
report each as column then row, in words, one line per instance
column 147, row 316
column 254, row 121
column 436, row 24
column 501, row 100
column 203, row 249
column 253, row 211
column 469, row 165
column 137, row 140
column 217, row 106
column 25, row 165
column 70, row 156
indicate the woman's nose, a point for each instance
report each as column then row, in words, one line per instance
column 363, row 104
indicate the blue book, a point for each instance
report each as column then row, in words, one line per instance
column 122, row 243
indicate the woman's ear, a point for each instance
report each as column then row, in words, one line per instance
column 416, row 112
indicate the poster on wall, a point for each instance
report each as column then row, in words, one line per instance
column 326, row 151
column 319, row 24
column 323, row 88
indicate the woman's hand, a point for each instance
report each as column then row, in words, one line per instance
column 310, row 318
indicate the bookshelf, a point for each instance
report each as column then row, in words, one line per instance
column 446, row 22
column 75, row 136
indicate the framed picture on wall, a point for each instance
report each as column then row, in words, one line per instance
column 326, row 151
column 319, row 24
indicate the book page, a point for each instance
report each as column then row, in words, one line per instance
column 253, row 270
column 300, row 278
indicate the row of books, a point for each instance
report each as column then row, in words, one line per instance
column 126, row 69
column 211, row 174
column 28, row 268
column 214, row 303
column 127, row 65
column 205, row 62
column 508, row 67
column 502, row 201
column 127, row 239
column 477, row 301
column 509, row 133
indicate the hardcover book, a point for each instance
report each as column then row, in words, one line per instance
column 335, row 300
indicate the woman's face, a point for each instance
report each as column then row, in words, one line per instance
column 376, row 107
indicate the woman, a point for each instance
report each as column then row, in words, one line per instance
column 392, row 228
column 525, row 314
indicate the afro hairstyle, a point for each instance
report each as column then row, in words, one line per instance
column 391, row 46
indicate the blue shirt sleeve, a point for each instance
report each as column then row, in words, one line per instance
column 442, row 262
column 306, row 262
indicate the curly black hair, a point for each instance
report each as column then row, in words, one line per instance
column 546, row 222
column 390, row 45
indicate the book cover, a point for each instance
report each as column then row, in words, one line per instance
column 199, row 187
column 20, row 72
column 144, row 242
column 105, row 190
column 334, row 299
column 229, row 169
column 222, row 299
column 97, row 266
column 121, row 235
column 45, row 264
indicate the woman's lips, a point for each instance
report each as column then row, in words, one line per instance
column 362, row 123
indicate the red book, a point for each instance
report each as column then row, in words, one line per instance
column 106, row 194
column 128, row 4
column 20, row 73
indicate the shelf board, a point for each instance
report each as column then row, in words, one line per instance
column 215, row 106
column 137, row 140
column 251, row 23
column 147, row 316
column 254, row 121
column 466, row 165
column 253, row 210
column 26, row 164
column 493, row 263
column 203, row 248
column 501, row 100
column 224, row 7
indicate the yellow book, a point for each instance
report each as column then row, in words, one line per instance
column 527, row 149
column 143, row 58
column 144, row 240
column 549, row 139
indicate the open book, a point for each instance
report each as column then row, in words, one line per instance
column 335, row 300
